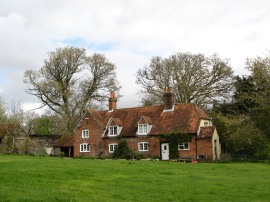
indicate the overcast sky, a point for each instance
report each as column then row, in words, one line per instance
column 129, row 33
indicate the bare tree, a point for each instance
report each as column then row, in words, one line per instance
column 193, row 78
column 69, row 81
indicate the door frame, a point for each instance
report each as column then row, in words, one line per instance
column 161, row 155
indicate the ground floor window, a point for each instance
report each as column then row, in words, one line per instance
column 143, row 146
column 84, row 147
column 112, row 147
column 183, row 146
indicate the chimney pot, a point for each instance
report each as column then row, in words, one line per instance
column 112, row 101
column 168, row 99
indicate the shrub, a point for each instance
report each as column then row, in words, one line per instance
column 123, row 151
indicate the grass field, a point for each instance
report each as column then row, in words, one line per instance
column 25, row 178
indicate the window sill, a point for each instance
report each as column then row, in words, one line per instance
column 112, row 135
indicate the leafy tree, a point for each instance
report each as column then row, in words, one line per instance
column 239, row 135
column 193, row 78
column 245, row 122
column 3, row 111
column 70, row 81
column 260, row 73
column 242, row 103
column 43, row 126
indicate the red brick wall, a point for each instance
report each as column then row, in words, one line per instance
column 94, row 140
column 153, row 145
column 192, row 150
column 100, row 146
column 205, row 148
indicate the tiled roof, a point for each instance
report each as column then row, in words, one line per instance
column 65, row 141
column 206, row 132
column 185, row 117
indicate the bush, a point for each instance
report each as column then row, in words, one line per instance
column 264, row 153
column 123, row 151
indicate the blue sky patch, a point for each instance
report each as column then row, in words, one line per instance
column 81, row 43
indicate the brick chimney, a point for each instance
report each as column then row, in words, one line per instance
column 168, row 99
column 112, row 101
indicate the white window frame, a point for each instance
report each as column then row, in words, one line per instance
column 184, row 146
column 113, row 134
column 112, row 130
column 85, row 133
column 143, row 129
column 143, row 146
column 112, row 147
column 84, row 147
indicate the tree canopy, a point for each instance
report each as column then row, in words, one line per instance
column 244, row 123
column 193, row 78
column 70, row 81
column 3, row 112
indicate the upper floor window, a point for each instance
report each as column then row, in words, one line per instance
column 84, row 147
column 143, row 146
column 112, row 147
column 114, row 127
column 206, row 123
column 113, row 131
column 85, row 133
column 142, row 129
column 183, row 146
column 144, row 125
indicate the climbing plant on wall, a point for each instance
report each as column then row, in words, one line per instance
column 175, row 138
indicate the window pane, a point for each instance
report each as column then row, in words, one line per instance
column 113, row 130
column 181, row 146
column 85, row 134
column 141, row 146
column 145, row 146
column 140, row 128
column 144, row 128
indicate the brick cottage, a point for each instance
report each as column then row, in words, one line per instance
column 145, row 130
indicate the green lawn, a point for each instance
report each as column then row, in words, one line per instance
column 25, row 178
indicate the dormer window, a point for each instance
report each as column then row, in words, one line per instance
column 143, row 126
column 142, row 129
column 114, row 127
column 85, row 133
column 113, row 131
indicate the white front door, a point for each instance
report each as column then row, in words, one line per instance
column 164, row 151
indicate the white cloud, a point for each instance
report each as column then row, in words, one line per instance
column 129, row 33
